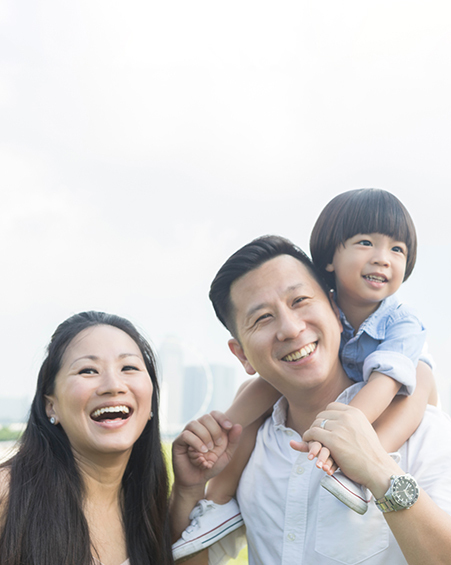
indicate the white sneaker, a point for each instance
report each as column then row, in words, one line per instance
column 209, row 523
column 350, row 493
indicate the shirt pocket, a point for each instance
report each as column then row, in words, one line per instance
column 346, row 537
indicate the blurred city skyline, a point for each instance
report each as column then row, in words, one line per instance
column 141, row 144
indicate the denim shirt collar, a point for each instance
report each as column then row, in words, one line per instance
column 375, row 325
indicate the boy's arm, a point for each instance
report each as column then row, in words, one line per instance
column 253, row 400
column 376, row 395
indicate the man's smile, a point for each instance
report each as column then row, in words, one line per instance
column 301, row 353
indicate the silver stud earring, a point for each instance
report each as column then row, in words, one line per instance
column 151, row 416
column 53, row 420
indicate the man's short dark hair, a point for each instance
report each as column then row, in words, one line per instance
column 365, row 210
column 246, row 259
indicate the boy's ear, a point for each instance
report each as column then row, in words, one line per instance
column 330, row 268
column 237, row 350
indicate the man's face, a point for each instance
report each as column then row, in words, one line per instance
column 287, row 329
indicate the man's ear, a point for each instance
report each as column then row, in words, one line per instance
column 237, row 350
column 49, row 408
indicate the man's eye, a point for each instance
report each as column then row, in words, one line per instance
column 262, row 317
column 299, row 300
column 87, row 371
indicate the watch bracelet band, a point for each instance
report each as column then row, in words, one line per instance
column 387, row 504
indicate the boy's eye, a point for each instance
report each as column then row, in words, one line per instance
column 365, row 242
column 398, row 249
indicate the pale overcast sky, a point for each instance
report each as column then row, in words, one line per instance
column 141, row 143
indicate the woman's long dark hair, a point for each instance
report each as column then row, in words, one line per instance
column 44, row 523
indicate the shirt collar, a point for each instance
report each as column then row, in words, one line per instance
column 375, row 324
column 279, row 413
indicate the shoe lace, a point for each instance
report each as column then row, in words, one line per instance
column 198, row 511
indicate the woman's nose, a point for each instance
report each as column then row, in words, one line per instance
column 111, row 383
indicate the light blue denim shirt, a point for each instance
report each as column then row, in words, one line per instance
column 389, row 341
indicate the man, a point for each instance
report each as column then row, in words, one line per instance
column 270, row 298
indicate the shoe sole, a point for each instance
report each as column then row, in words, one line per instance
column 336, row 488
column 196, row 545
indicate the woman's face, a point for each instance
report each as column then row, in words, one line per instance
column 103, row 393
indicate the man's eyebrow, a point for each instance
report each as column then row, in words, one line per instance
column 263, row 305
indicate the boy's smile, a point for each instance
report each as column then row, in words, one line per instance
column 368, row 268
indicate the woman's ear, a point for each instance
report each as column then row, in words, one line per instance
column 50, row 409
column 237, row 350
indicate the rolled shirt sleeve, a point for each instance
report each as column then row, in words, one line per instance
column 390, row 341
column 398, row 354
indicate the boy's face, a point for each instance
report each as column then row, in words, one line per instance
column 368, row 268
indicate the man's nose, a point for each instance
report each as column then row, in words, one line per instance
column 290, row 326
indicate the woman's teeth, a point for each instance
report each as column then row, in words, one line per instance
column 110, row 410
column 303, row 352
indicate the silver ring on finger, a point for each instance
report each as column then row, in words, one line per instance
column 323, row 424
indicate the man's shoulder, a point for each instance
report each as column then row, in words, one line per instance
column 429, row 444
column 434, row 420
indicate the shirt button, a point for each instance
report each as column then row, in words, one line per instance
column 300, row 470
column 289, row 433
column 291, row 537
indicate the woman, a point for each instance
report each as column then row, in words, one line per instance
column 88, row 484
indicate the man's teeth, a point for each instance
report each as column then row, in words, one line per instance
column 303, row 352
column 114, row 409
column 375, row 278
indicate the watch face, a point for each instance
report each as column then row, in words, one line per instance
column 405, row 491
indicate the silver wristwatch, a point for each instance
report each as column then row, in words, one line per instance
column 402, row 493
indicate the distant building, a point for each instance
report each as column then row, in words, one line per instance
column 187, row 392
column 196, row 393
column 172, row 376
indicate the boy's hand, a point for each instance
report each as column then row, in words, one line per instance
column 316, row 449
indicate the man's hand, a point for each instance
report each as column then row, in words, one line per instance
column 354, row 445
column 204, row 448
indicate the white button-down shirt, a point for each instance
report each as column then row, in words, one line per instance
column 291, row 520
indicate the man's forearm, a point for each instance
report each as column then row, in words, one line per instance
column 182, row 501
